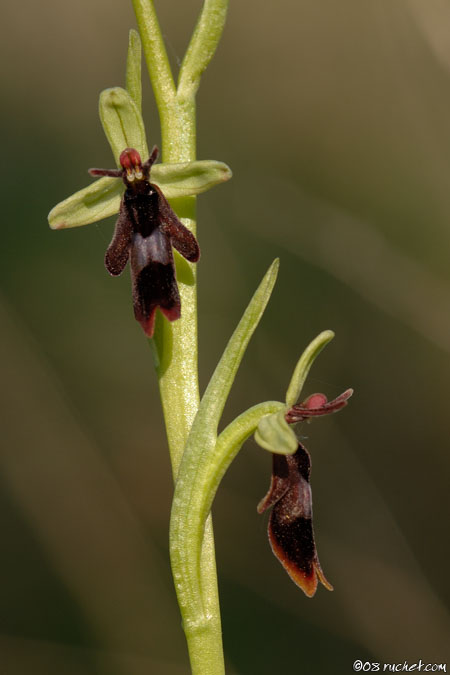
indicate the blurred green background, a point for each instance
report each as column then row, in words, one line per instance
column 335, row 118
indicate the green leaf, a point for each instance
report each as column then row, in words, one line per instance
column 275, row 435
column 216, row 394
column 122, row 122
column 188, row 503
column 304, row 364
column 202, row 46
column 133, row 78
column 190, row 178
column 97, row 201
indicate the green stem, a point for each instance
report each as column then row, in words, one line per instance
column 192, row 503
column 200, row 470
column 176, row 344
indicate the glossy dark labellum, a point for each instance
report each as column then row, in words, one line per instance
column 291, row 532
column 145, row 232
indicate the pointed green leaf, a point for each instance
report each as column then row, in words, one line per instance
column 216, row 394
column 97, row 201
column 188, row 503
column 122, row 122
column 202, row 46
column 190, row 178
column 304, row 364
column 133, row 78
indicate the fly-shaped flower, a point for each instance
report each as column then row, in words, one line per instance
column 291, row 532
column 147, row 227
column 146, row 230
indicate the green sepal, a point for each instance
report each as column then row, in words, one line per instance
column 275, row 435
column 133, row 77
column 304, row 364
column 101, row 199
column 95, row 202
column 190, row 178
column 122, row 122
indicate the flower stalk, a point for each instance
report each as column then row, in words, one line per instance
column 175, row 346
column 199, row 454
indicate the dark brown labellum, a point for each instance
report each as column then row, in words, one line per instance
column 291, row 533
column 146, row 230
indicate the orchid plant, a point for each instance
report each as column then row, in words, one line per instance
column 164, row 294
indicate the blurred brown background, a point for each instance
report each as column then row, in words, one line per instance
column 335, row 118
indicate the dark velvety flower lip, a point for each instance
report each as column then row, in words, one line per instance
column 290, row 529
column 306, row 578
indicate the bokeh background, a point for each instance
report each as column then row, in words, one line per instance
column 335, row 118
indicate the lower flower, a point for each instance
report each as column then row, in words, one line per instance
column 291, row 532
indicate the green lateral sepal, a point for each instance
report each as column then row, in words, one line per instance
column 101, row 199
column 95, row 202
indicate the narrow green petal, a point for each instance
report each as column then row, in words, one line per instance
column 122, row 122
column 191, row 178
column 134, row 59
column 275, row 435
column 97, row 201
column 304, row 364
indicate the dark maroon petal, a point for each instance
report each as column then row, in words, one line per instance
column 151, row 160
column 112, row 173
column 303, row 411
